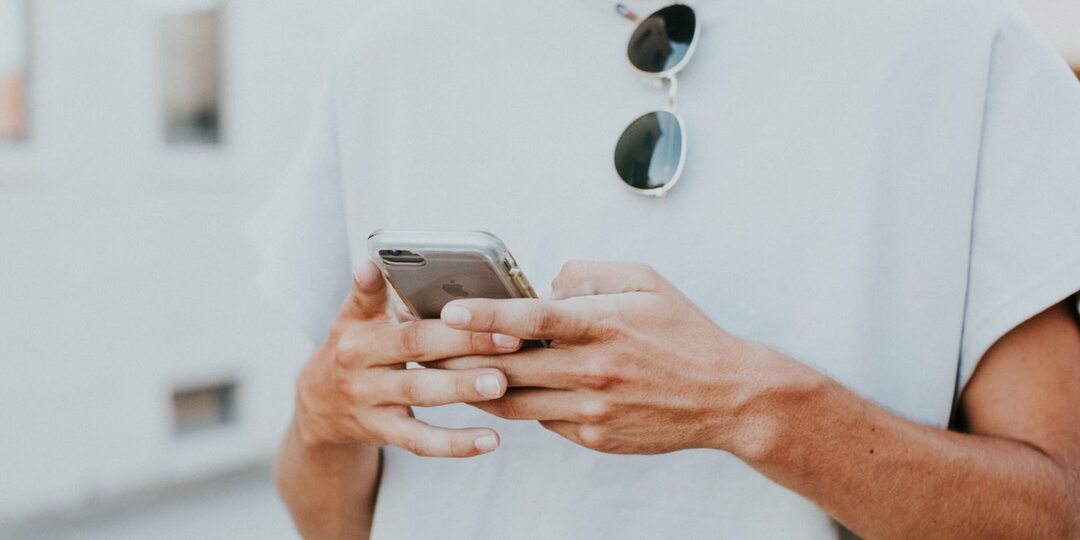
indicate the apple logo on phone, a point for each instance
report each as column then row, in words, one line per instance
column 456, row 290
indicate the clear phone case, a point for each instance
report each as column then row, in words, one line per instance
column 428, row 269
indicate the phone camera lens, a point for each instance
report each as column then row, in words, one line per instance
column 401, row 257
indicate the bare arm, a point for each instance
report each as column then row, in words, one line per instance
column 1013, row 475
column 329, row 488
column 636, row 368
column 355, row 396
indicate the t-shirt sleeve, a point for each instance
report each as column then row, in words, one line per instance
column 1025, row 245
column 301, row 235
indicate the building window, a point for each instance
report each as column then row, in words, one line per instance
column 201, row 408
column 191, row 60
column 14, row 68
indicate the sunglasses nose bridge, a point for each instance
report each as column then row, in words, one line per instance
column 673, row 92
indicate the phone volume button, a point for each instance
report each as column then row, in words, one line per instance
column 523, row 285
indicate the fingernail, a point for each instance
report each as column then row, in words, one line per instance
column 456, row 315
column 487, row 443
column 504, row 341
column 489, row 386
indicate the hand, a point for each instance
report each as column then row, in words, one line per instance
column 356, row 390
column 634, row 366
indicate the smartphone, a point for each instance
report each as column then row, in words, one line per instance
column 429, row 269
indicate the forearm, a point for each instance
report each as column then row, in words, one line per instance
column 886, row 477
column 329, row 490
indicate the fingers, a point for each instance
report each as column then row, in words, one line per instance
column 538, row 404
column 540, row 368
column 369, row 298
column 436, row 387
column 568, row 430
column 426, row 340
column 589, row 278
column 523, row 318
column 428, row 441
column 399, row 310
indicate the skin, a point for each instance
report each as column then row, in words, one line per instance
column 355, row 396
column 636, row 368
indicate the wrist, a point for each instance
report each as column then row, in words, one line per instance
column 779, row 398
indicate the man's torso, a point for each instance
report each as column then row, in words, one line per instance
column 825, row 210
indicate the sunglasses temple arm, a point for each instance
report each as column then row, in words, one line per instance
column 626, row 12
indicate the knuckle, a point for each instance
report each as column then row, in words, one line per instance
column 569, row 278
column 541, row 320
column 596, row 412
column 410, row 340
column 347, row 389
column 345, row 353
column 572, row 269
column 594, row 438
column 598, row 374
column 410, row 389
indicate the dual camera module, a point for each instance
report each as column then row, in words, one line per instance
column 400, row 257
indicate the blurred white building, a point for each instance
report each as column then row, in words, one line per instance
column 124, row 275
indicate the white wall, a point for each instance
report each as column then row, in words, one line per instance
column 123, row 270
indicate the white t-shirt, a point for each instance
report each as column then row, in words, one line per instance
column 879, row 189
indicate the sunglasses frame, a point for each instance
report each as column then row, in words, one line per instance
column 669, row 75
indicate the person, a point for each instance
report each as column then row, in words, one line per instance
column 854, row 314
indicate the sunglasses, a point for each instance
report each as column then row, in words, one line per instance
column 652, row 150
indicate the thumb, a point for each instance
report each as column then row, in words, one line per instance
column 589, row 278
column 369, row 298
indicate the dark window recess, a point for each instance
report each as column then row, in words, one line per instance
column 204, row 407
column 192, row 76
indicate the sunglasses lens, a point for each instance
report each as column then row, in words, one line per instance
column 662, row 40
column 650, row 151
